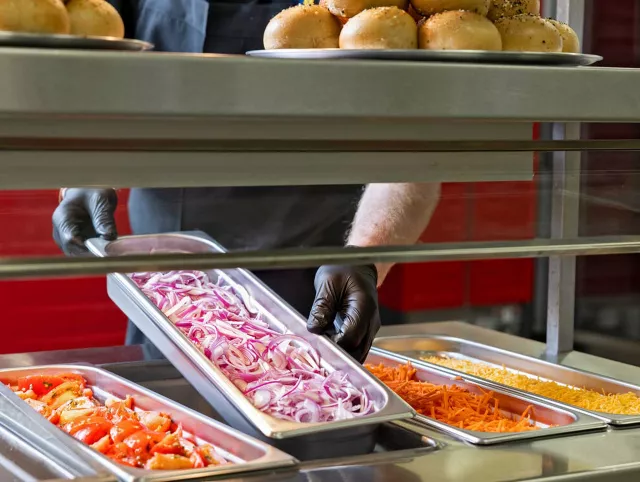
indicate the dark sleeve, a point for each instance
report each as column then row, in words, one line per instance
column 127, row 10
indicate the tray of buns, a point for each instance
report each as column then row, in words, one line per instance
column 69, row 24
column 477, row 31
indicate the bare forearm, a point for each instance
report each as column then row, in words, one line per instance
column 393, row 214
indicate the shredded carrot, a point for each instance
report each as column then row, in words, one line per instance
column 452, row 405
column 615, row 403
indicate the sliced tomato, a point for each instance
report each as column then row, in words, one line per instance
column 208, row 454
column 143, row 441
column 122, row 454
column 88, row 425
column 196, row 460
column 103, row 445
column 168, row 462
column 73, row 377
column 168, row 445
column 188, row 447
column 54, row 418
column 40, row 407
column 61, row 394
column 40, row 384
column 156, row 421
column 90, row 434
column 121, row 430
column 119, row 411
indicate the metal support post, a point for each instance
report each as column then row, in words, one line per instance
column 565, row 206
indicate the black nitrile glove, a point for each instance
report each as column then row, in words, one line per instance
column 348, row 296
column 84, row 214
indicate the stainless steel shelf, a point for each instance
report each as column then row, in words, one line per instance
column 192, row 103
column 40, row 83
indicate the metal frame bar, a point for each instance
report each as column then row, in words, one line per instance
column 565, row 206
column 94, row 145
column 29, row 267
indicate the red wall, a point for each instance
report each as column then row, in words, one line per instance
column 75, row 313
column 50, row 314
column 482, row 211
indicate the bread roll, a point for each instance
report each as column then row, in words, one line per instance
column 430, row 7
column 34, row 16
column 528, row 33
column 380, row 28
column 458, row 30
column 570, row 40
column 414, row 13
column 94, row 18
column 302, row 27
column 511, row 8
column 351, row 8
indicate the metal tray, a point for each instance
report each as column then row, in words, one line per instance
column 459, row 56
column 22, row 462
column 415, row 347
column 74, row 42
column 33, row 449
column 303, row 440
column 554, row 421
column 245, row 453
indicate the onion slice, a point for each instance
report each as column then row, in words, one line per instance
column 281, row 374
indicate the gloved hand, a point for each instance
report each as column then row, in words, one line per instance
column 347, row 295
column 84, row 214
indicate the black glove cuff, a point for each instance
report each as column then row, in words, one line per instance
column 370, row 266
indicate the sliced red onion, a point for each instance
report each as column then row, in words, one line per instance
column 281, row 374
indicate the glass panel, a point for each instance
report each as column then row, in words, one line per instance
column 503, row 294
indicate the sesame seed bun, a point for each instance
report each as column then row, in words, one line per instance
column 302, row 27
column 529, row 33
column 511, row 8
column 431, row 7
column 570, row 40
column 458, row 30
column 380, row 28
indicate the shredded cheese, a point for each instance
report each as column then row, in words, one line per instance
column 308, row 2
column 614, row 403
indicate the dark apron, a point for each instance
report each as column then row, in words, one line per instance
column 238, row 218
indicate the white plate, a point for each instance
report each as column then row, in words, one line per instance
column 468, row 56
column 42, row 41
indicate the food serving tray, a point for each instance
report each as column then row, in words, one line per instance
column 74, row 42
column 552, row 420
column 21, row 461
column 418, row 55
column 33, row 449
column 415, row 347
column 244, row 453
column 303, row 440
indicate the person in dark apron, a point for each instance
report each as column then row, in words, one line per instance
column 236, row 217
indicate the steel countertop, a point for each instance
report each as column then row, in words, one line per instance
column 602, row 456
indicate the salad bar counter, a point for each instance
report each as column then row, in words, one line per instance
column 560, row 443
column 246, row 391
